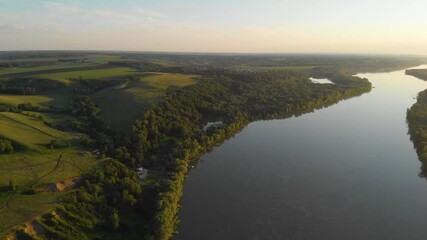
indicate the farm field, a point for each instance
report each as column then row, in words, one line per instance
column 28, row 131
column 7, row 71
column 89, row 74
column 34, row 171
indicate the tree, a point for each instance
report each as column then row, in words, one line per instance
column 84, row 106
column 12, row 185
column 114, row 220
column 5, row 146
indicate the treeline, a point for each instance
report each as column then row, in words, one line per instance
column 88, row 86
column 9, row 108
column 416, row 118
column 87, row 121
column 28, row 86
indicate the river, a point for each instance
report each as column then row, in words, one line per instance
column 344, row 172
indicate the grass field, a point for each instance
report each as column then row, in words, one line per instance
column 290, row 68
column 90, row 74
column 49, row 67
column 122, row 105
column 14, row 100
column 59, row 100
column 29, row 132
column 165, row 80
column 35, row 166
column 32, row 170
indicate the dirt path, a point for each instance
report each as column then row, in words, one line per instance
column 6, row 204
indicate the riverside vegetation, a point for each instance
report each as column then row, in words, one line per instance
column 417, row 125
column 109, row 202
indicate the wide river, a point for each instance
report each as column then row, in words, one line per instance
column 344, row 172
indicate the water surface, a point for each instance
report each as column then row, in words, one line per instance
column 344, row 172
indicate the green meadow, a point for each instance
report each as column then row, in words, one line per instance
column 90, row 74
column 28, row 131
column 14, row 70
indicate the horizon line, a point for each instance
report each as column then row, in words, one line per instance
column 219, row 52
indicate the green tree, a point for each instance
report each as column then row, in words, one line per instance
column 12, row 185
column 114, row 220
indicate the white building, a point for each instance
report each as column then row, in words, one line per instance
column 212, row 124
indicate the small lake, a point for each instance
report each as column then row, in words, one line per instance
column 344, row 172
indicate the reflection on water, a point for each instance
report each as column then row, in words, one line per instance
column 345, row 172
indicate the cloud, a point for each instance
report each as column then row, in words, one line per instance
column 54, row 16
column 11, row 27
column 69, row 26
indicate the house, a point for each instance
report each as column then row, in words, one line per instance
column 212, row 124
column 141, row 173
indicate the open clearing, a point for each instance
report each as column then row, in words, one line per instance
column 28, row 131
column 122, row 105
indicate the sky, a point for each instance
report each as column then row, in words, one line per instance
column 236, row 26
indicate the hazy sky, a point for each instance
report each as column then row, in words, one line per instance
column 336, row 26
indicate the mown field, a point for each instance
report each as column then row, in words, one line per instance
column 8, row 71
column 67, row 77
column 29, row 132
